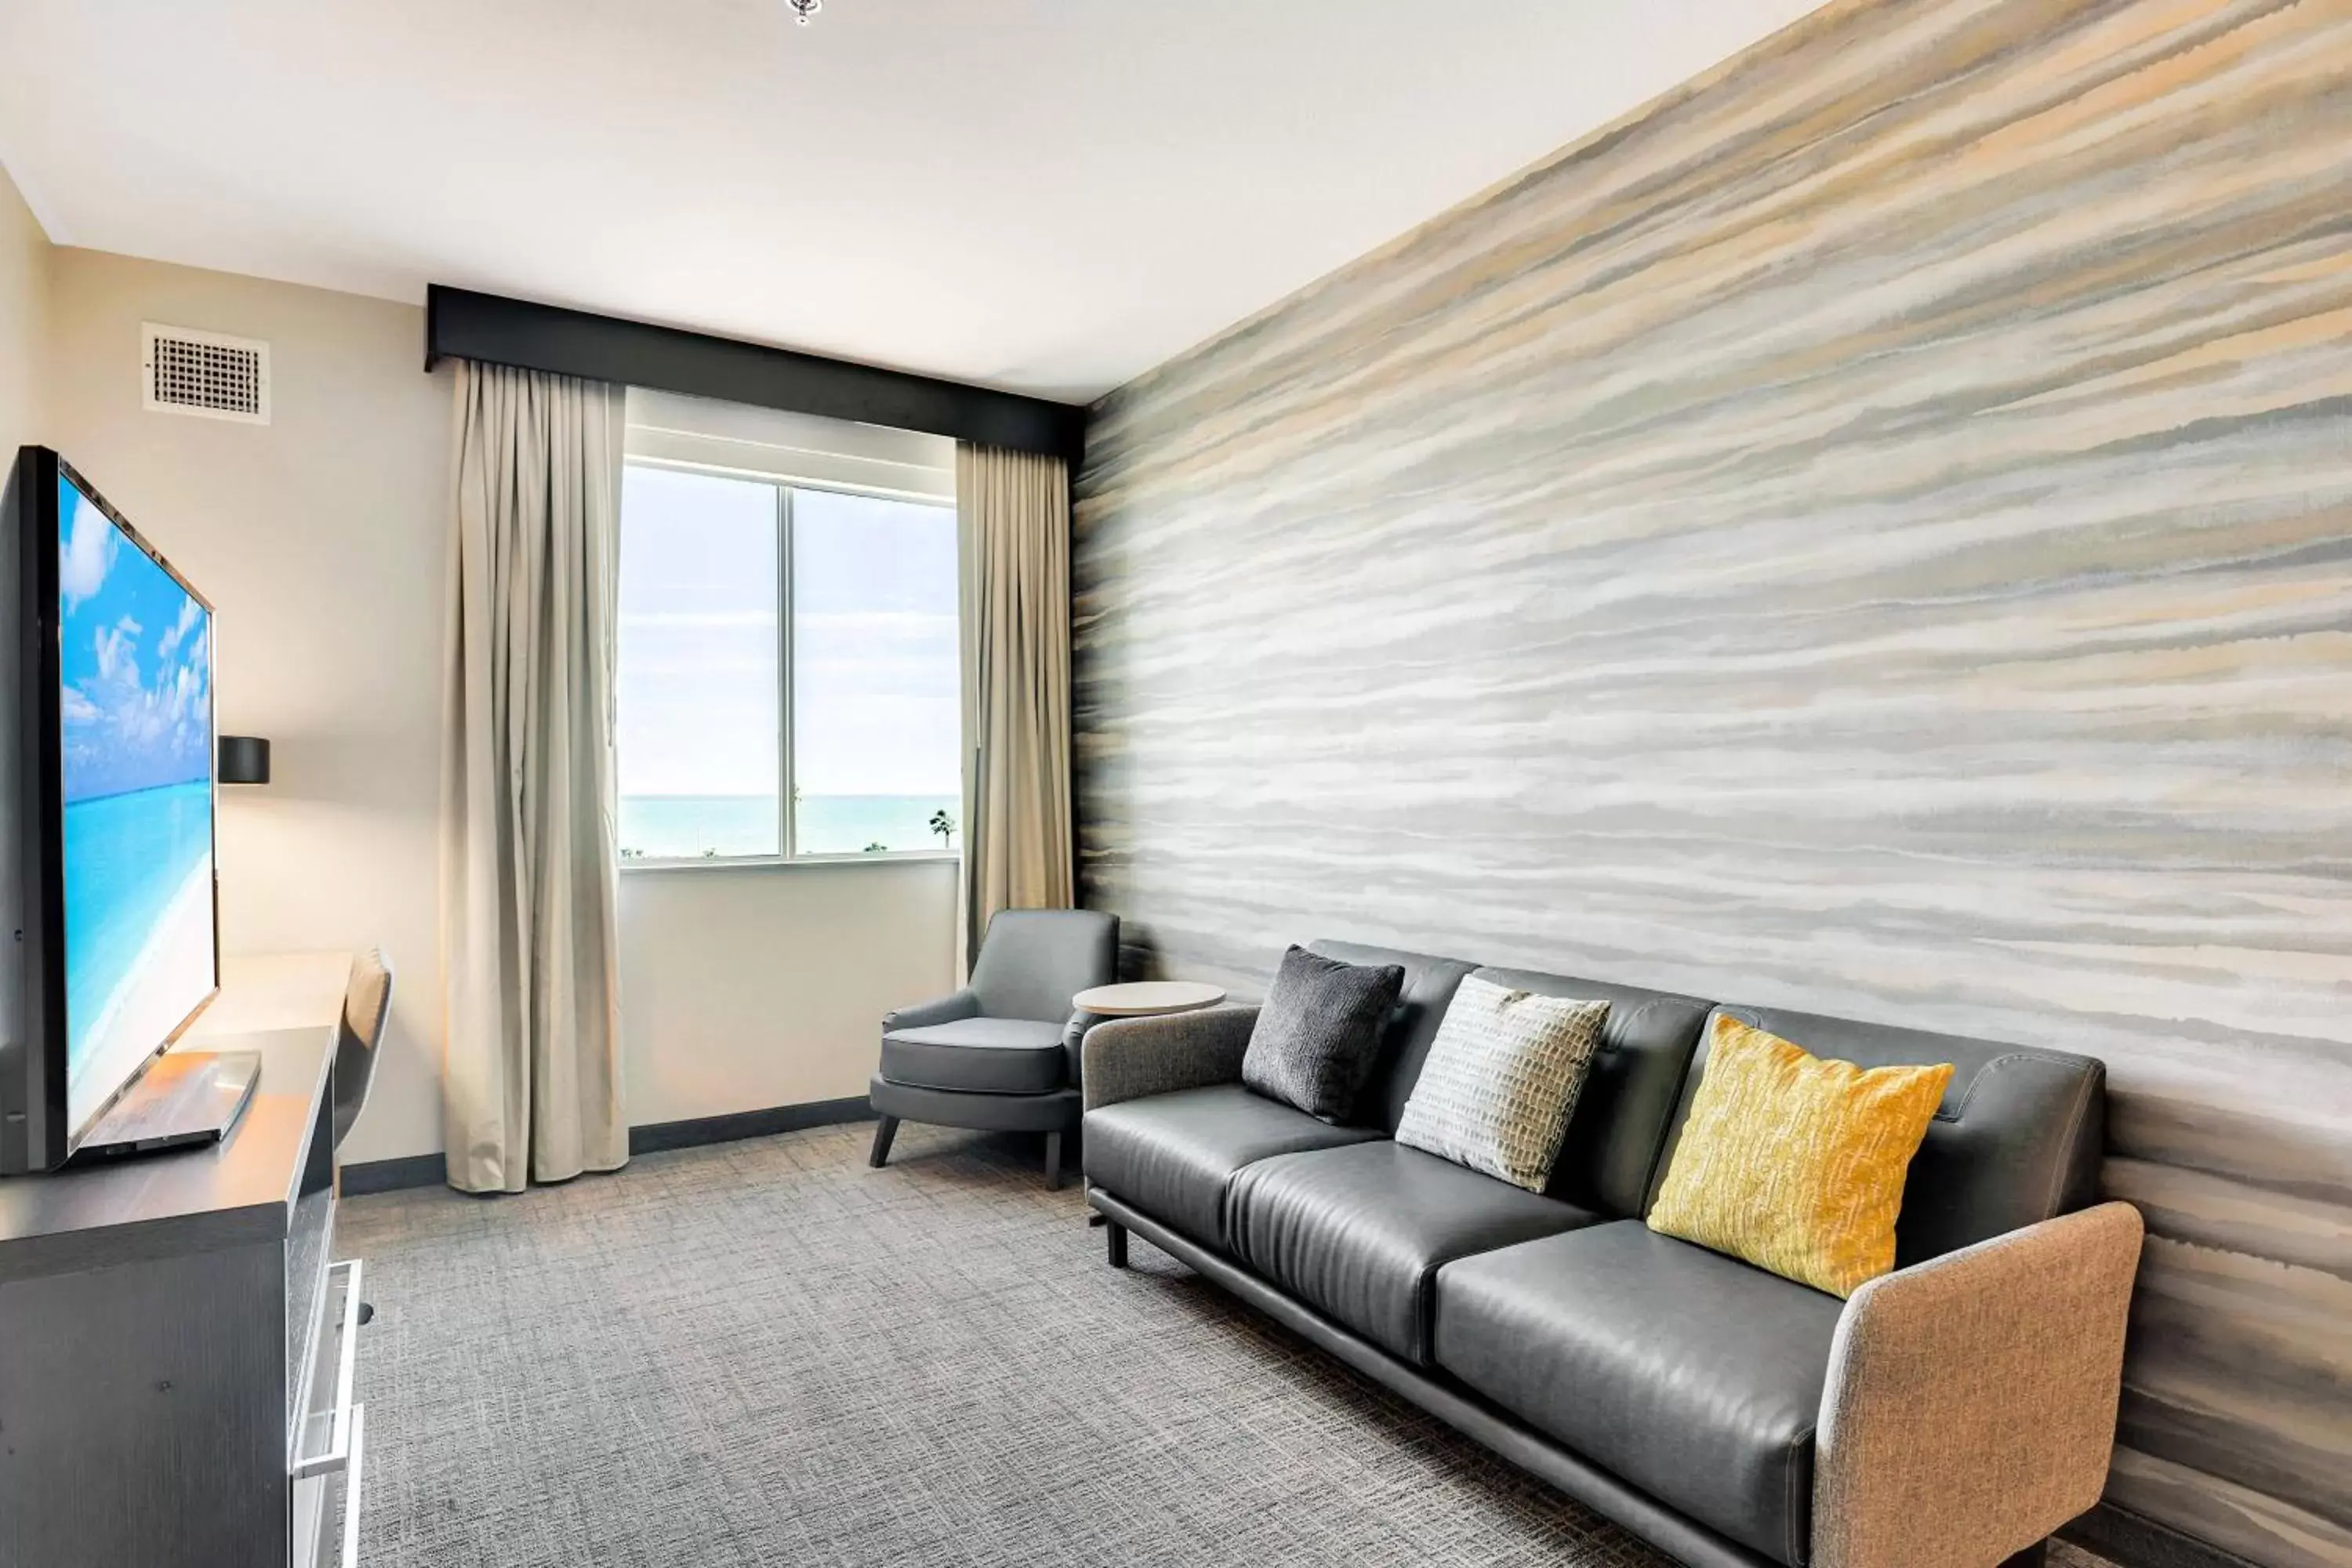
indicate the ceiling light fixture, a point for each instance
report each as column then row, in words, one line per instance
column 804, row 9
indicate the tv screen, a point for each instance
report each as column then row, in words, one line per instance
column 135, row 781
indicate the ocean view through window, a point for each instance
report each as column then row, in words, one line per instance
column 876, row 694
column 745, row 732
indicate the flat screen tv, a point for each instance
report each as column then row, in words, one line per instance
column 106, row 808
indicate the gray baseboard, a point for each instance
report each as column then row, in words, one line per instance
column 431, row 1170
column 656, row 1136
column 2135, row 1540
column 391, row 1175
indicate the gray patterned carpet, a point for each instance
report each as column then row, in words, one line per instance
column 765, row 1352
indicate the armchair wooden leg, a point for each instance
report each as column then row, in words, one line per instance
column 1115, row 1243
column 884, row 1130
column 1054, row 1162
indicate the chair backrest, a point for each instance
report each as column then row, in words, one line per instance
column 367, row 1002
column 1031, row 961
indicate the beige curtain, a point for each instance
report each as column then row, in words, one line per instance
column 1013, row 515
column 531, row 1070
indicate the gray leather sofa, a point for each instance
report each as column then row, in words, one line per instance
column 1953, row 1412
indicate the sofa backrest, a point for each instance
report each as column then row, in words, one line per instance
column 1429, row 986
column 2017, row 1139
column 1621, row 1112
column 1629, row 1093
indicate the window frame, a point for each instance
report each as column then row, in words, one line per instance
column 787, row 831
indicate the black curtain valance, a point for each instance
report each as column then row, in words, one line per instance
column 498, row 331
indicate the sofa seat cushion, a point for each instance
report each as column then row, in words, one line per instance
column 1693, row 1375
column 1359, row 1233
column 1171, row 1156
column 981, row 1056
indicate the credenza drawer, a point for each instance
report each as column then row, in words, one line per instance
column 326, row 1532
column 329, row 1442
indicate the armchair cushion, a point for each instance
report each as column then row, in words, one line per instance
column 1691, row 1374
column 985, row 1055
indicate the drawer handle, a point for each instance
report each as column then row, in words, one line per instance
column 338, row 1455
column 351, row 1488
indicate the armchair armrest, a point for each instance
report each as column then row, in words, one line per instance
column 1970, row 1404
column 1128, row 1058
column 923, row 1015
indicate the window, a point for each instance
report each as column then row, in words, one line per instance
column 700, row 667
column 748, row 733
column 876, row 695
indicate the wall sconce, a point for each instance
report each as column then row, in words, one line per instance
column 244, row 759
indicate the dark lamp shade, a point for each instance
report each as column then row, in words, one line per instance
column 244, row 759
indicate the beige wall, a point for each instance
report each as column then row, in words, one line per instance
column 24, row 307
column 321, row 538
column 750, row 986
column 318, row 537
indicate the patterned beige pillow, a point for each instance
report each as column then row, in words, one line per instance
column 1501, row 1080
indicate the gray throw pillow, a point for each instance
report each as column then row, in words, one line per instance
column 1318, row 1031
column 1501, row 1080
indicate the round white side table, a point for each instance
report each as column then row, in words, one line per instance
column 1147, row 998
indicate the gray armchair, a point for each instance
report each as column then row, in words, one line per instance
column 998, row 1055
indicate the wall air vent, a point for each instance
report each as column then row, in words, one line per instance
column 204, row 373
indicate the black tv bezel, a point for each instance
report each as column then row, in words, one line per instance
column 50, row 1140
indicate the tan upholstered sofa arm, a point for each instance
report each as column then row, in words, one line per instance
column 1970, row 1406
column 1128, row 1058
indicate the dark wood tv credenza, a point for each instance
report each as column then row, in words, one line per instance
column 175, row 1343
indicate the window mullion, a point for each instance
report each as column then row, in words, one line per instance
column 786, row 831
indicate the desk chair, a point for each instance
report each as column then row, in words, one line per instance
column 366, row 1004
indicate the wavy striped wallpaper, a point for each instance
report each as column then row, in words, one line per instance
column 1871, row 533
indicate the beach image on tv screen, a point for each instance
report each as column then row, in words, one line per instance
column 136, row 751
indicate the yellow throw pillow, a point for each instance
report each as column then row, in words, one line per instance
column 1795, row 1163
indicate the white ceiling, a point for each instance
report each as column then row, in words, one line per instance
column 1048, row 195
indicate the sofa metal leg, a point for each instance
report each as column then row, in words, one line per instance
column 1115, row 1243
column 1054, row 1162
column 884, row 1130
column 2033, row 1556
